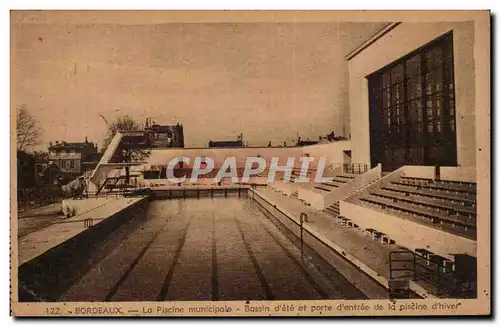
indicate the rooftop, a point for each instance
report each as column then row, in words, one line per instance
column 69, row 145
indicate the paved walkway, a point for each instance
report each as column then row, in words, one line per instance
column 50, row 209
column 370, row 256
column 38, row 242
column 36, row 219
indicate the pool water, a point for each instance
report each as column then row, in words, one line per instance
column 206, row 249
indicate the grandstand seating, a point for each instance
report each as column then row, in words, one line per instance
column 447, row 205
column 337, row 181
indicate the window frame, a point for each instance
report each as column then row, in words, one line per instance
column 434, row 124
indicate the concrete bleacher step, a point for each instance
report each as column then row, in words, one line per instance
column 340, row 180
column 323, row 189
column 346, row 177
column 331, row 211
column 457, row 184
column 428, row 201
column 452, row 199
column 333, row 184
column 438, row 190
column 328, row 186
column 436, row 216
column 443, row 185
column 419, row 215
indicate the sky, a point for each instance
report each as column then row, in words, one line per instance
column 269, row 81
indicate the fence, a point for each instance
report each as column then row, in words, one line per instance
column 31, row 198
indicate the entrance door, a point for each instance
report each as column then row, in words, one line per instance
column 412, row 109
column 347, row 157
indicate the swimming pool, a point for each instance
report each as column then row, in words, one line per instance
column 220, row 248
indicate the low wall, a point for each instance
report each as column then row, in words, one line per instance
column 407, row 233
column 453, row 173
column 51, row 274
column 416, row 171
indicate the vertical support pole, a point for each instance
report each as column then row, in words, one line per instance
column 301, row 235
column 390, row 265
column 303, row 217
column 414, row 266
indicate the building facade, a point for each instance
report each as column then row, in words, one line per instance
column 164, row 136
column 73, row 157
column 413, row 96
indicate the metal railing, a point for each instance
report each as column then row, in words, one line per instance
column 32, row 198
column 33, row 203
column 416, row 267
column 355, row 168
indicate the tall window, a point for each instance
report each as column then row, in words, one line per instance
column 412, row 108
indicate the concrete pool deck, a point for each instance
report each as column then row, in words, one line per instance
column 41, row 241
column 372, row 257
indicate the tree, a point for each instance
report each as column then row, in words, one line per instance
column 125, row 123
column 25, row 170
column 126, row 153
column 28, row 130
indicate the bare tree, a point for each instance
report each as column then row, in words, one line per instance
column 28, row 129
column 127, row 153
column 125, row 123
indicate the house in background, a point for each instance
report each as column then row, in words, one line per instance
column 74, row 158
column 164, row 136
